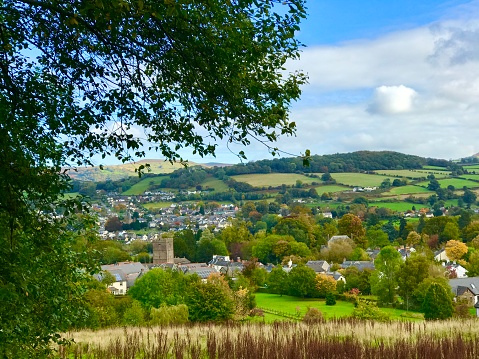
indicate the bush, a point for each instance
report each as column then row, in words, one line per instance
column 313, row 315
column 165, row 315
column 369, row 311
column 330, row 298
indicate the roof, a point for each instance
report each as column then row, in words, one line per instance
column 318, row 266
column 360, row 265
column 471, row 283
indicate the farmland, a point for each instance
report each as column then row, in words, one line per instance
column 274, row 179
column 359, row 179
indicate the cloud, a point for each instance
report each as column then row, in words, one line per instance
column 392, row 100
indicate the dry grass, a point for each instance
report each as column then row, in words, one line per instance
column 338, row 339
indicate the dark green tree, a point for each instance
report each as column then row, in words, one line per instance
column 411, row 273
column 384, row 278
column 277, row 281
column 437, row 303
column 302, row 282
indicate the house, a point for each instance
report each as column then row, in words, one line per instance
column 338, row 238
column 336, row 276
column 125, row 274
column 318, row 266
column 456, row 270
column 360, row 265
column 441, row 256
column 467, row 288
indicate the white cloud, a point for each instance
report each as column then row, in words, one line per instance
column 392, row 100
column 412, row 91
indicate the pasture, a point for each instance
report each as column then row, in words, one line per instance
column 157, row 205
column 456, row 182
column 359, row 179
column 274, row 179
column 218, row 185
column 395, row 206
column 144, row 185
column 331, row 189
column 409, row 189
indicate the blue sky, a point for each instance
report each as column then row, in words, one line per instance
column 384, row 75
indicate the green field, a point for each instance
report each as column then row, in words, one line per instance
column 274, row 179
column 413, row 174
column 331, row 188
column 215, row 183
column 471, row 176
column 359, row 179
column 395, row 206
column 410, row 189
column 298, row 307
column 435, row 168
column 144, row 185
column 456, row 182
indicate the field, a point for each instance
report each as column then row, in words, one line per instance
column 144, row 185
column 359, row 179
column 215, row 183
column 331, row 188
column 409, row 189
column 456, row 182
column 338, row 339
column 395, row 206
column 411, row 174
column 157, row 205
column 274, row 179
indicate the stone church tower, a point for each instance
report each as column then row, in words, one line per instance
column 163, row 250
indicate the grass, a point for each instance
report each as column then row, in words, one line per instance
column 411, row 174
column 331, row 188
column 456, row 182
column 359, row 179
column 144, row 185
column 409, row 189
column 157, row 205
column 395, row 206
column 274, row 179
column 218, row 185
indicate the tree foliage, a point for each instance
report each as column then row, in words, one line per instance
column 437, row 303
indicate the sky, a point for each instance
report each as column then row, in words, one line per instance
column 384, row 75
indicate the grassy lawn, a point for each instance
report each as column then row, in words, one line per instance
column 274, row 179
column 144, row 185
column 359, row 179
column 294, row 306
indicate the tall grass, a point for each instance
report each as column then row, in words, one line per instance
column 337, row 339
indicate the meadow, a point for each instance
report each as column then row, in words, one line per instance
column 338, row 339
column 274, row 179
column 412, row 174
column 359, row 179
column 144, row 185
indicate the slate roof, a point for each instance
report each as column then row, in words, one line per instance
column 318, row 266
column 458, row 285
column 360, row 265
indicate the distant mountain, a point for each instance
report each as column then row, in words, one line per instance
column 116, row 172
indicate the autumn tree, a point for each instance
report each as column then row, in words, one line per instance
column 352, row 226
column 455, row 250
column 325, row 284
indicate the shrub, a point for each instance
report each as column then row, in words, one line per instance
column 370, row 311
column 313, row 315
column 330, row 298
